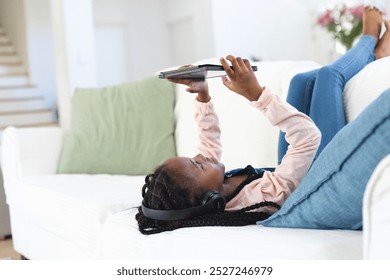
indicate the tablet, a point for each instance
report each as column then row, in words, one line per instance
column 198, row 72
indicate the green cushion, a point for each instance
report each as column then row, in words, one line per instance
column 126, row 129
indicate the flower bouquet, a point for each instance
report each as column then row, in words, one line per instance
column 344, row 23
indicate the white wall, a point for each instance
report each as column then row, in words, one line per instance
column 201, row 34
column 176, row 32
column 147, row 37
column 149, row 25
column 40, row 49
column 318, row 4
column 74, row 47
column 278, row 29
column 270, row 30
column 111, row 23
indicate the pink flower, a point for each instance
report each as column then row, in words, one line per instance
column 343, row 23
column 357, row 11
column 326, row 18
column 344, row 10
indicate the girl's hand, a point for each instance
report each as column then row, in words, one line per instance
column 241, row 80
column 195, row 86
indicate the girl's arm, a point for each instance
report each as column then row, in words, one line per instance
column 208, row 130
column 301, row 133
column 303, row 137
column 206, row 118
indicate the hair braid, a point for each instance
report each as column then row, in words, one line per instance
column 161, row 192
column 242, row 185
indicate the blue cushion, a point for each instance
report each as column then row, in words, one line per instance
column 331, row 195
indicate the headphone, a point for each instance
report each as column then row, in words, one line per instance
column 211, row 202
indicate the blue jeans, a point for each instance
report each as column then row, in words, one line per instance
column 331, row 194
column 318, row 93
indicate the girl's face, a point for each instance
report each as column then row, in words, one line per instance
column 206, row 173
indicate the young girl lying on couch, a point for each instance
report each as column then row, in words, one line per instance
column 188, row 192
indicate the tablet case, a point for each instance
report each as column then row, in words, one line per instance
column 198, row 72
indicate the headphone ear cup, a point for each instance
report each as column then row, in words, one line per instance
column 214, row 200
column 206, row 197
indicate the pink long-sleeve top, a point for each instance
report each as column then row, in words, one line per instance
column 301, row 133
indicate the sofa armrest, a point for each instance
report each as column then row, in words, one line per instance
column 30, row 151
column 376, row 213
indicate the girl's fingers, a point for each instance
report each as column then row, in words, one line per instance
column 180, row 81
column 226, row 82
column 240, row 63
column 186, row 66
column 190, row 90
column 247, row 64
column 227, row 68
column 235, row 63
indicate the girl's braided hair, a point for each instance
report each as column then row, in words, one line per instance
column 161, row 191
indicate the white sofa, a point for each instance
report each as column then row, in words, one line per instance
column 81, row 216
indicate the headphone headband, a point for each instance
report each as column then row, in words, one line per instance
column 212, row 202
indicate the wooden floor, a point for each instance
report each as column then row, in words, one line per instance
column 7, row 251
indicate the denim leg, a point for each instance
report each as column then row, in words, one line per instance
column 318, row 93
column 331, row 195
column 299, row 95
column 327, row 109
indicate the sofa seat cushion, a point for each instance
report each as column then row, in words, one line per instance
column 122, row 240
column 75, row 207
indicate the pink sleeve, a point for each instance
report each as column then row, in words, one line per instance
column 209, row 131
column 303, row 137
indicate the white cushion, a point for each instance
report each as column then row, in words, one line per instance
column 366, row 86
column 76, row 206
column 376, row 213
column 247, row 137
column 121, row 239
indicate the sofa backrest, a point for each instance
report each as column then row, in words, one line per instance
column 366, row 86
column 247, row 137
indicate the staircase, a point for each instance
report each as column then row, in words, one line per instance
column 21, row 104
